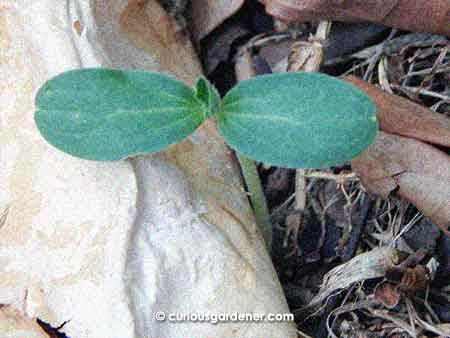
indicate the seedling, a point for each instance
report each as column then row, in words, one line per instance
column 296, row 120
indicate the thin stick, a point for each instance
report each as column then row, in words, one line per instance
column 339, row 178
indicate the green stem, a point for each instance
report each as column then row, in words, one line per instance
column 257, row 198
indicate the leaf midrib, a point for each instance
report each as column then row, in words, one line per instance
column 104, row 121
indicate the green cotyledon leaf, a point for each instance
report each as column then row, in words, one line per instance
column 106, row 114
column 298, row 120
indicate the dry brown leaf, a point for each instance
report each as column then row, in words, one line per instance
column 315, row 10
column 421, row 15
column 149, row 26
column 420, row 172
column 403, row 117
column 206, row 15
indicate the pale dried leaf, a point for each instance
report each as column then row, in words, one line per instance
column 97, row 242
column 371, row 264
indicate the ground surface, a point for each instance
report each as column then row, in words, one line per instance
column 332, row 219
